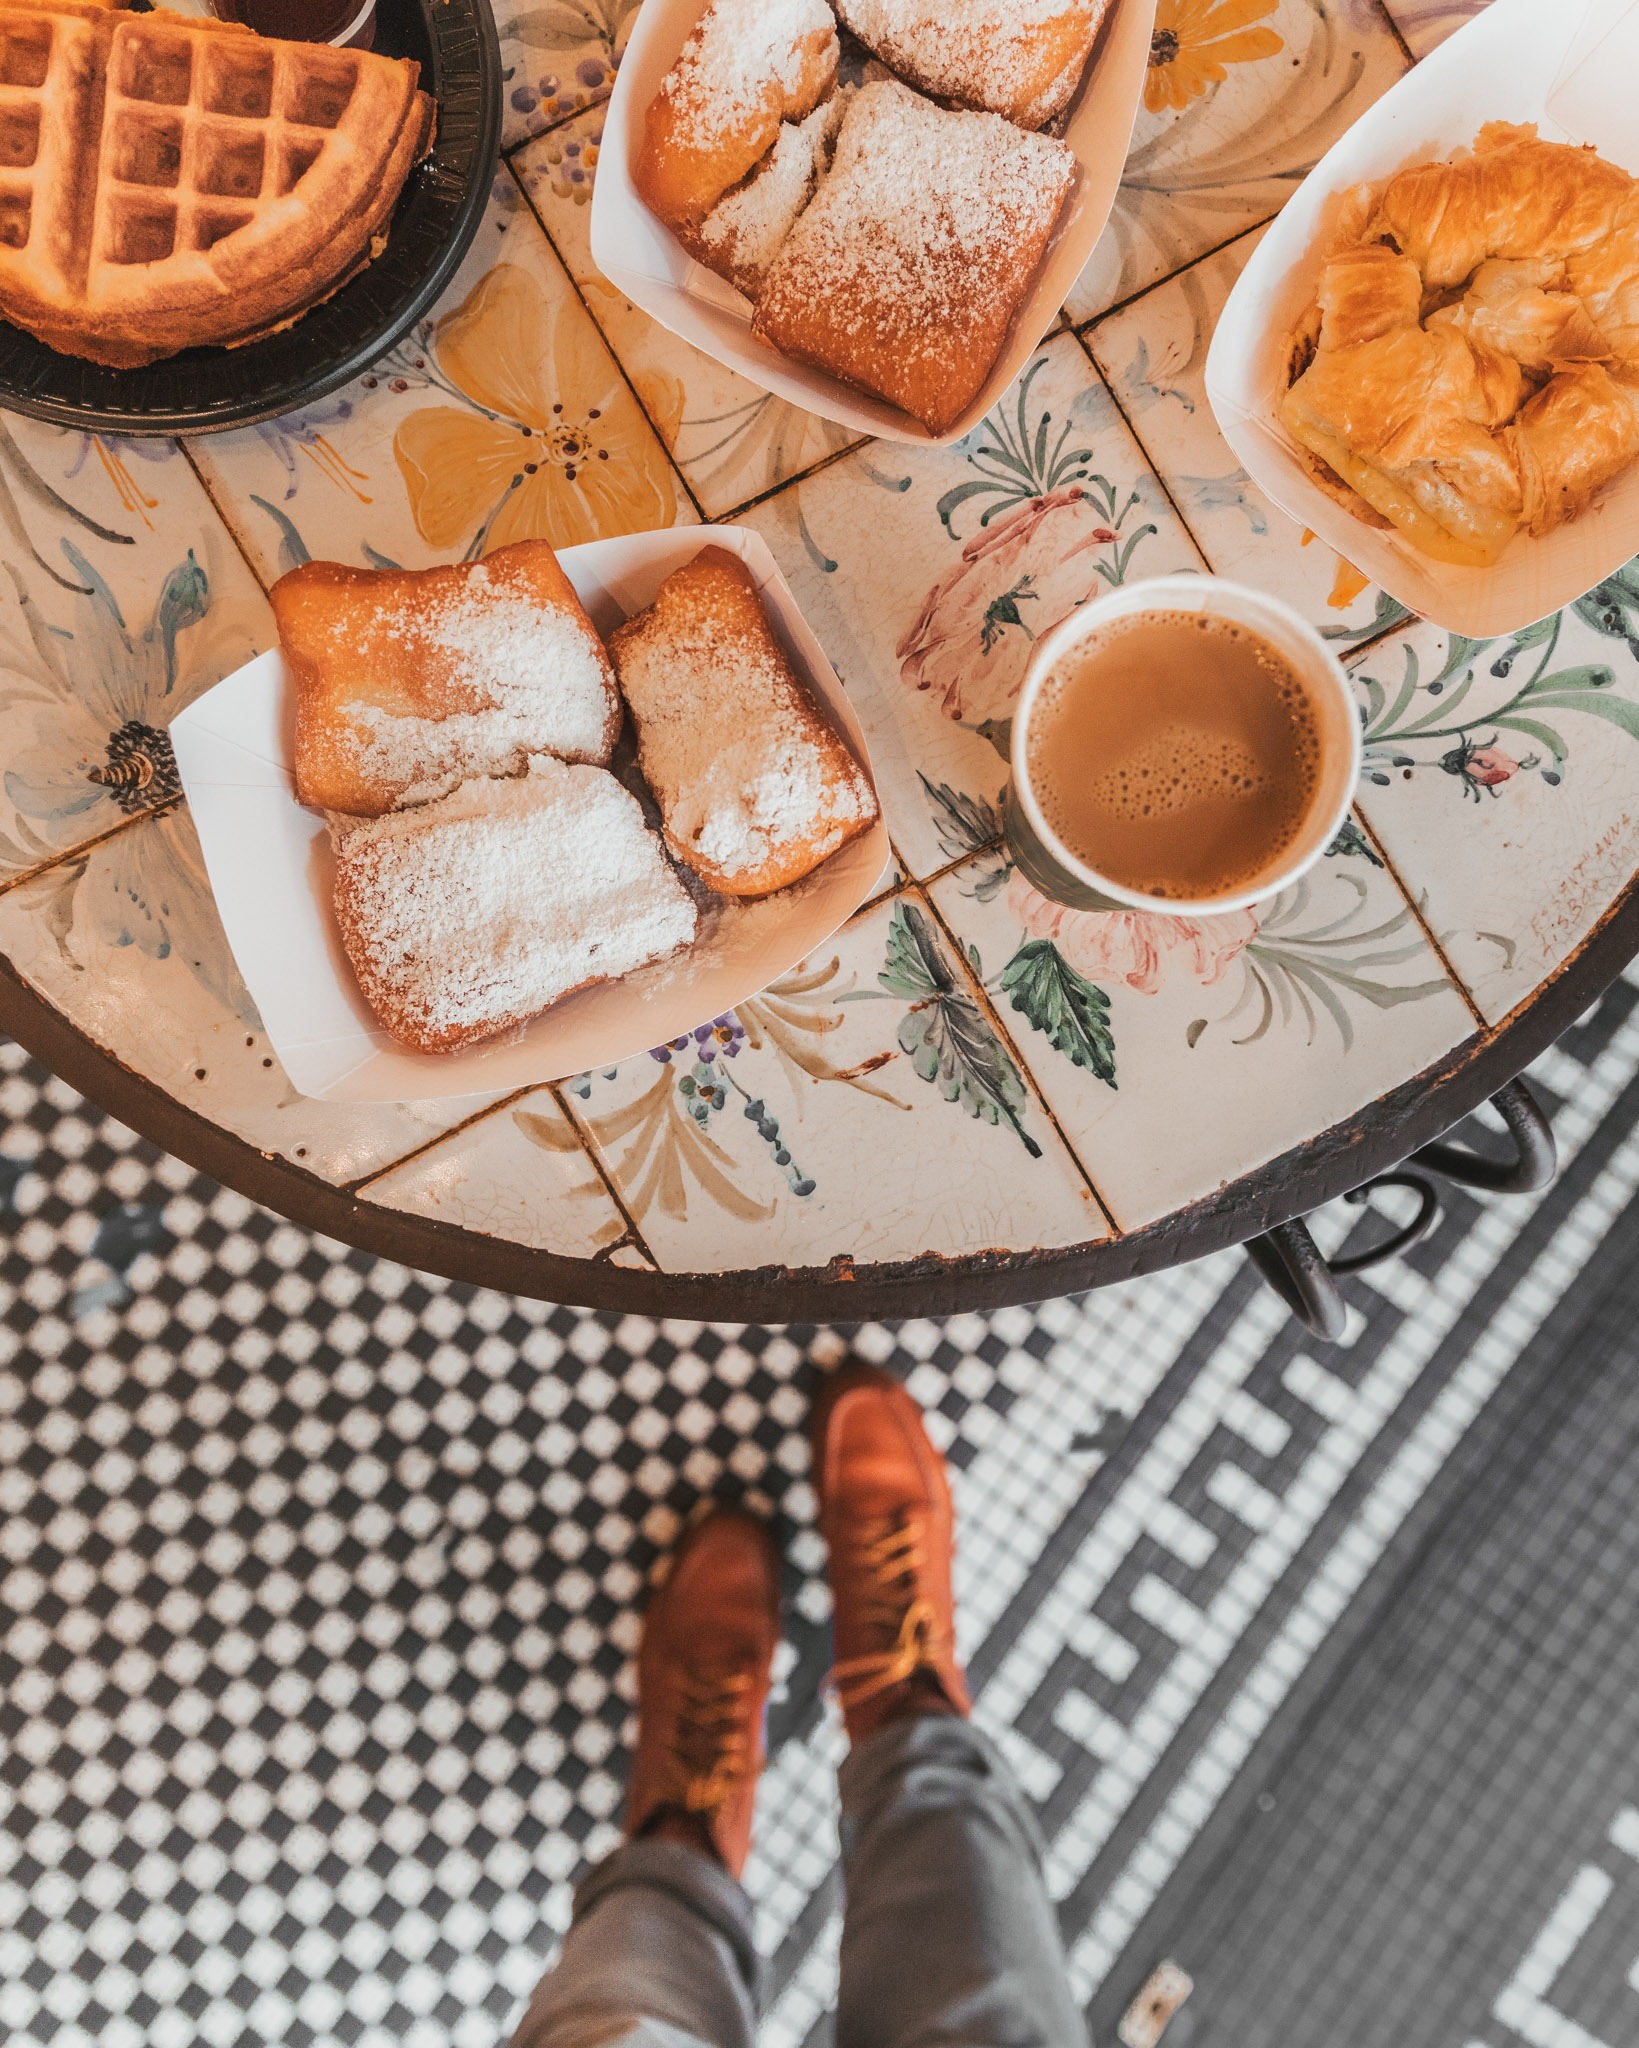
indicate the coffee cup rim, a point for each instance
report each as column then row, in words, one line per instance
column 1182, row 590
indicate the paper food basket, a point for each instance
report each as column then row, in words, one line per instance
column 1570, row 68
column 271, row 869
column 638, row 254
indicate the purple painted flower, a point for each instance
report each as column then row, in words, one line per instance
column 591, row 72
column 723, row 1035
column 523, row 100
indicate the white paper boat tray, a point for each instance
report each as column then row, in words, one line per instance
column 270, row 865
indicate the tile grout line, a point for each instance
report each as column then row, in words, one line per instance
column 1416, row 909
column 1394, row 30
column 609, row 348
column 1150, row 461
column 589, row 1147
column 86, row 846
column 1251, row 227
column 356, row 1188
column 555, row 1089
column 186, row 451
column 1025, row 1069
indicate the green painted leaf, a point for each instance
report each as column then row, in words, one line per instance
column 1617, row 710
column 916, row 968
column 947, row 1037
column 1072, row 1012
column 964, row 823
column 1592, row 675
column 1350, row 839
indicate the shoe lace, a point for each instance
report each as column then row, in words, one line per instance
column 891, row 1553
column 711, row 1746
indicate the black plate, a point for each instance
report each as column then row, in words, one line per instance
column 205, row 389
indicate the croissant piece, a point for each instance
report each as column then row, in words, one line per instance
column 1469, row 368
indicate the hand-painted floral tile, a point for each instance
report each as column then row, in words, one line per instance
column 1503, row 780
column 863, row 1107
column 502, row 417
column 1178, row 1053
column 1241, row 98
column 125, row 941
column 1153, row 354
column 557, row 56
column 929, row 573
column 123, row 598
column 731, row 439
column 521, row 1174
column 1426, row 23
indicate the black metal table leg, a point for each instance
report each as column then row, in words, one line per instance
column 1291, row 1261
column 1536, row 1157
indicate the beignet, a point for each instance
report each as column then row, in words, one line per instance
column 469, row 915
column 1021, row 58
column 755, row 787
column 905, row 271
column 408, row 681
column 748, row 226
column 747, row 66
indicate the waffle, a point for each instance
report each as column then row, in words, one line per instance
column 168, row 181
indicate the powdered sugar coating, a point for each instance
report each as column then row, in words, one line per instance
column 907, row 265
column 473, row 912
column 750, row 224
column 753, row 784
column 540, row 668
column 1017, row 57
column 733, row 52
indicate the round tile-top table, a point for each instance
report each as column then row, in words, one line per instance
column 969, row 1096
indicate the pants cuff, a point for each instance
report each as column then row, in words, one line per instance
column 695, row 1880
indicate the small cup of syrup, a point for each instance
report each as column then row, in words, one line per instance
column 346, row 24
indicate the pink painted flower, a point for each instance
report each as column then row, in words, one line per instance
column 972, row 639
column 1490, row 765
column 1138, row 947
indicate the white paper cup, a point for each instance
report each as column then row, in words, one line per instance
column 1049, row 865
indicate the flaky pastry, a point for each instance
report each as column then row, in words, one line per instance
column 1469, row 369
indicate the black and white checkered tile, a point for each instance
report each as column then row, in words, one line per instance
column 319, row 1578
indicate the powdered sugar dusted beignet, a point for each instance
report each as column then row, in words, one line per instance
column 746, row 229
column 747, row 66
column 755, row 788
column 905, row 271
column 469, row 915
column 1021, row 58
column 408, row 681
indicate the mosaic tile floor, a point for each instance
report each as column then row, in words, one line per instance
column 318, row 1577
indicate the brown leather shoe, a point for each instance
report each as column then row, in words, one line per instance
column 703, row 1675
column 885, row 1512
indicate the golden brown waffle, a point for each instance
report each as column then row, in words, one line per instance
column 167, row 181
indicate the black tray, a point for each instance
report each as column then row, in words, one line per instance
column 206, row 389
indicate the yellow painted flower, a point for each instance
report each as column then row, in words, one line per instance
column 1195, row 39
column 554, row 449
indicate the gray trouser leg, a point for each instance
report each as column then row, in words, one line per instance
column 949, row 1939
column 658, row 1955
